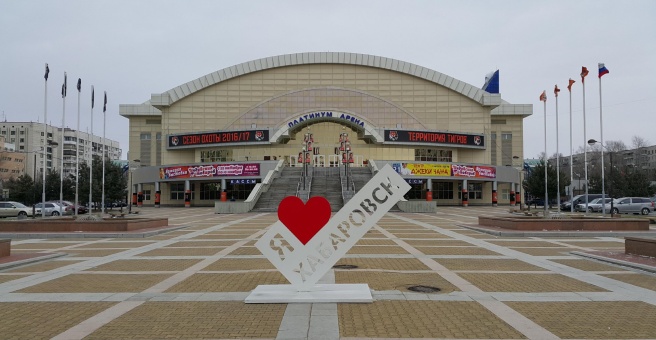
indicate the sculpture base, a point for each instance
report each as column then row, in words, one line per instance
column 319, row 293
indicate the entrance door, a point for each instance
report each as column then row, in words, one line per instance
column 333, row 160
column 319, row 161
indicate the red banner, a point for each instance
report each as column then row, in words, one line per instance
column 473, row 171
column 209, row 170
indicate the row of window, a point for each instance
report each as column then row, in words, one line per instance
column 210, row 191
column 148, row 136
column 13, row 171
column 9, row 159
column 444, row 191
column 433, row 155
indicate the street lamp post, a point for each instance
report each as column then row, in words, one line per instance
column 304, row 158
column 592, row 142
column 131, row 168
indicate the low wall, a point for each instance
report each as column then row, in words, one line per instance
column 643, row 246
column 232, row 207
column 417, row 206
column 574, row 224
column 5, row 247
column 71, row 225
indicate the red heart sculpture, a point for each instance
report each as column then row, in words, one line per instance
column 304, row 220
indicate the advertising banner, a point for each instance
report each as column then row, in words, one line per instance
column 434, row 137
column 209, row 170
column 219, row 137
column 420, row 169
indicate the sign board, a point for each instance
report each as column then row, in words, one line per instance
column 305, row 259
column 210, row 170
column 217, row 138
column 435, row 137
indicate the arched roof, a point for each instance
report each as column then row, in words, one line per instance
column 177, row 93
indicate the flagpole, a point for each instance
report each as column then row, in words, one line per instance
column 45, row 144
column 546, row 192
column 91, row 153
column 571, row 151
column 556, row 90
column 603, row 186
column 61, row 147
column 103, row 154
column 585, row 144
column 77, row 144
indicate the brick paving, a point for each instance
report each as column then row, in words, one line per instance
column 422, row 319
column 191, row 284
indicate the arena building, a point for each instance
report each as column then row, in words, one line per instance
column 226, row 131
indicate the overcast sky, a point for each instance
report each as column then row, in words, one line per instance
column 132, row 49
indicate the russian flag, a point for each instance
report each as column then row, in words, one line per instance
column 602, row 70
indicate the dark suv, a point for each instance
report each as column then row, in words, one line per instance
column 580, row 199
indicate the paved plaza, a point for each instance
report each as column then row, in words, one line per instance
column 191, row 283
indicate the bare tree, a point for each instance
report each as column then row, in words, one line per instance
column 639, row 142
column 615, row 145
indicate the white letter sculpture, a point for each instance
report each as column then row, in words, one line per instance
column 306, row 243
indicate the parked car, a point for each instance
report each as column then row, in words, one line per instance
column 51, row 209
column 578, row 200
column 632, row 205
column 82, row 209
column 14, row 209
column 66, row 206
column 539, row 202
column 595, row 205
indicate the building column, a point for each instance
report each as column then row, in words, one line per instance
column 465, row 197
column 158, row 195
column 512, row 194
column 187, row 194
column 494, row 194
column 224, row 190
column 134, row 194
column 518, row 194
column 139, row 195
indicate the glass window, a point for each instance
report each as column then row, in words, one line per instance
column 145, row 136
column 146, row 194
column 443, row 190
column 177, row 191
column 475, row 191
column 240, row 191
column 210, row 191
column 216, row 156
column 416, row 192
column 433, row 155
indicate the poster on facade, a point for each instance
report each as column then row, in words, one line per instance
column 473, row 171
column 421, row 169
column 435, row 137
column 219, row 137
column 209, row 170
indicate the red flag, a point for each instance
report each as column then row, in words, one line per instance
column 556, row 90
column 543, row 96
column 584, row 73
column 571, row 82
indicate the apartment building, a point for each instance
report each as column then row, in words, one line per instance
column 28, row 140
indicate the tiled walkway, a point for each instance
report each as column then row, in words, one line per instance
column 191, row 284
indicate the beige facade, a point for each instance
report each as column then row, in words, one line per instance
column 278, row 94
column 12, row 163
